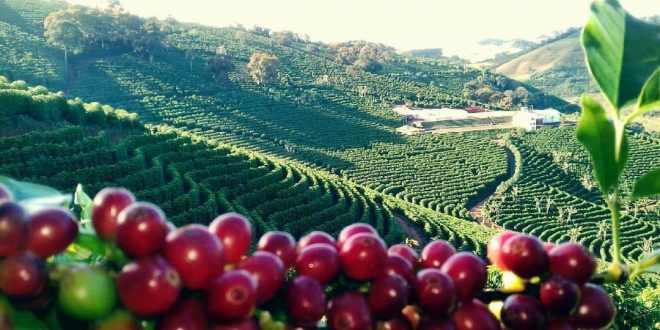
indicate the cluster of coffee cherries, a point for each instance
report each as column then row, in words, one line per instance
column 199, row 277
column 549, row 284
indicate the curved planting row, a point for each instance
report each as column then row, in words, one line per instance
column 553, row 205
column 193, row 181
column 561, row 145
column 446, row 173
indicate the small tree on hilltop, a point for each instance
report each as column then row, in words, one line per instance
column 263, row 67
column 284, row 38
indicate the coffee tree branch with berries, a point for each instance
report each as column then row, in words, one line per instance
column 112, row 262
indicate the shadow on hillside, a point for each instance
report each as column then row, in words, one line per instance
column 167, row 92
column 94, row 85
column 11, row 16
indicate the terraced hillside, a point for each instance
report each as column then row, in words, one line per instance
column 554, row 196
column 192, row 178
column 444, row 172
column 194, row 182
column 496, row 90
column 317, row 111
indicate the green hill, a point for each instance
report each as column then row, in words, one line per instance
column 192, row 178
column 556, row 67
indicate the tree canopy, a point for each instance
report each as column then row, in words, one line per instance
column 79, row 28
column 220, row 64
column 263, row 67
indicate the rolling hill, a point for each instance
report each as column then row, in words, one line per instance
column 313, row 147
column 318, row 112
column 556, row 67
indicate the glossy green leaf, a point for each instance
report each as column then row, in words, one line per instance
column 650, row 263
column 599, row 136
column 649, row 99
column 27, row 190
column 621, row 51
column 647, row 185
column 24, row 320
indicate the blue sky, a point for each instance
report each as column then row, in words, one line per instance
column 453, row 25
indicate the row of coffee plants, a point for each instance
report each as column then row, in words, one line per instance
column 546, row 201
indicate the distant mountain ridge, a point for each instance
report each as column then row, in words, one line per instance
column 555, row 66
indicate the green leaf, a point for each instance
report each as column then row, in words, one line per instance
column 27, row 190
column 647, row 185
column 599, row 135
column 653, row 269
column 621, row 51
column 91, row 242
column 650, row 263
column 24, row 320
column 34, row 197
column 85, row 203
column 649, row 99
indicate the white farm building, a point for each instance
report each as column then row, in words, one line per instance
column 530, row 119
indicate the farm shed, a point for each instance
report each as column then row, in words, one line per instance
column 527, row 119
column 550, row 115
column 530, row 119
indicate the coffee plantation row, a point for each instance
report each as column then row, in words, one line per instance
column 471, row 167
column 192, row 181
column 540, row 201
column 193, row 178
column 348, row 135
column 562, row 146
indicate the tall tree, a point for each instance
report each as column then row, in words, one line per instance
column 63, row 30
column 220, row 65
column 151, row 39
column 191, row 55
column 263, row 67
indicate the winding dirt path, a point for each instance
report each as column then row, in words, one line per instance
column 410, row 229
column 477, row 210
